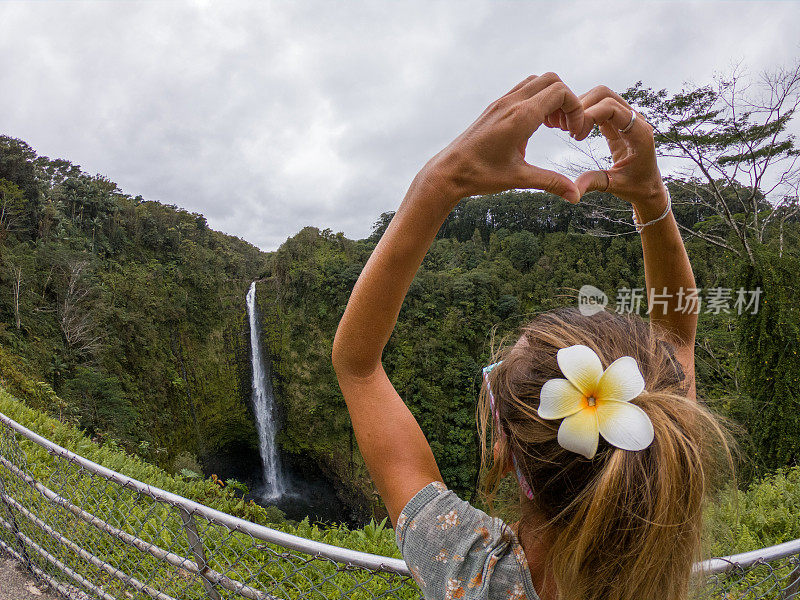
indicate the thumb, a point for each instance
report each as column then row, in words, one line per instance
column 549, row 181
column 593, row 181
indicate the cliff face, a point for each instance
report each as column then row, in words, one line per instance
column 213, row 404
column 315, row 434
column 160, row 390
column 131, row 311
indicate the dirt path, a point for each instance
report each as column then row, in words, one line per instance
column 17, row 584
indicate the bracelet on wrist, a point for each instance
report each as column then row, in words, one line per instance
column 639, row 226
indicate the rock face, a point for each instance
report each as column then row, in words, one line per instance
column 300, row 303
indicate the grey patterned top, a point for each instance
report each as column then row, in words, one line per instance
column 455, row 551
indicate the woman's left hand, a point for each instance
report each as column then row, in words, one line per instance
column 489, row 156
column 634, row 177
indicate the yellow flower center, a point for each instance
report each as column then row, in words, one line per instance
column 591, row 401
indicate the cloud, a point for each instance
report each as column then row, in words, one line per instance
column 267, row 117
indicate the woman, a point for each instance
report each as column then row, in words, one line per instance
column 596, row 415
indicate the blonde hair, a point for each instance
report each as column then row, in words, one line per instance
column 624, row 525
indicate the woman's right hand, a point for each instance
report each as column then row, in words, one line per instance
column 489, row 156
column 634, row 177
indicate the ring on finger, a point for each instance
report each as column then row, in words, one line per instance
column 629, row 126
column 608, row 176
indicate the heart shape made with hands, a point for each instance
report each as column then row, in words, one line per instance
column 489, row 156
column 634, row 173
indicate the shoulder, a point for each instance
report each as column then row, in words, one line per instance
column 455, row 550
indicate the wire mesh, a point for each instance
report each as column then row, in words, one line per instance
column 778, row 579
column 92, row 533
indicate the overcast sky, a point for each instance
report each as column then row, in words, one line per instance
column 269, row 116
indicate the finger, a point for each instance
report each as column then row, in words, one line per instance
column 560, row 120
column 593, row 97
column 593, row 181
column 534, row 177
column 601, row 93
column 609, row 111
column 596, row 94
column 556, row 120
column 535, row 85
column 520, row 85
column 550, row 99
column 609, row 132
column 572, row 119
column 588, row 124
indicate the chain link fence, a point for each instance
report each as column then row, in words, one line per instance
column 91, row 532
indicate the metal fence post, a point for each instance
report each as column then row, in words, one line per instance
column 196, row 544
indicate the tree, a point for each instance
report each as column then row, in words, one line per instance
column 379, row 227
column 16, row 284
column 75, row 319
column 104, row 408
column 769, row 344
column 12, row 202
column 736, row 156
column 734, row 164
column 18, row 165
column 17, row 266
column 738, row 164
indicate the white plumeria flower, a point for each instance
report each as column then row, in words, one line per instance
column 594, row 402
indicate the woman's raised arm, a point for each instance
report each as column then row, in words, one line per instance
column 635, row 178
column 488, row 157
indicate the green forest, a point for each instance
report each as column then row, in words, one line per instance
column 126, row 318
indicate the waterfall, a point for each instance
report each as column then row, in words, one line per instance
column 264, row 406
